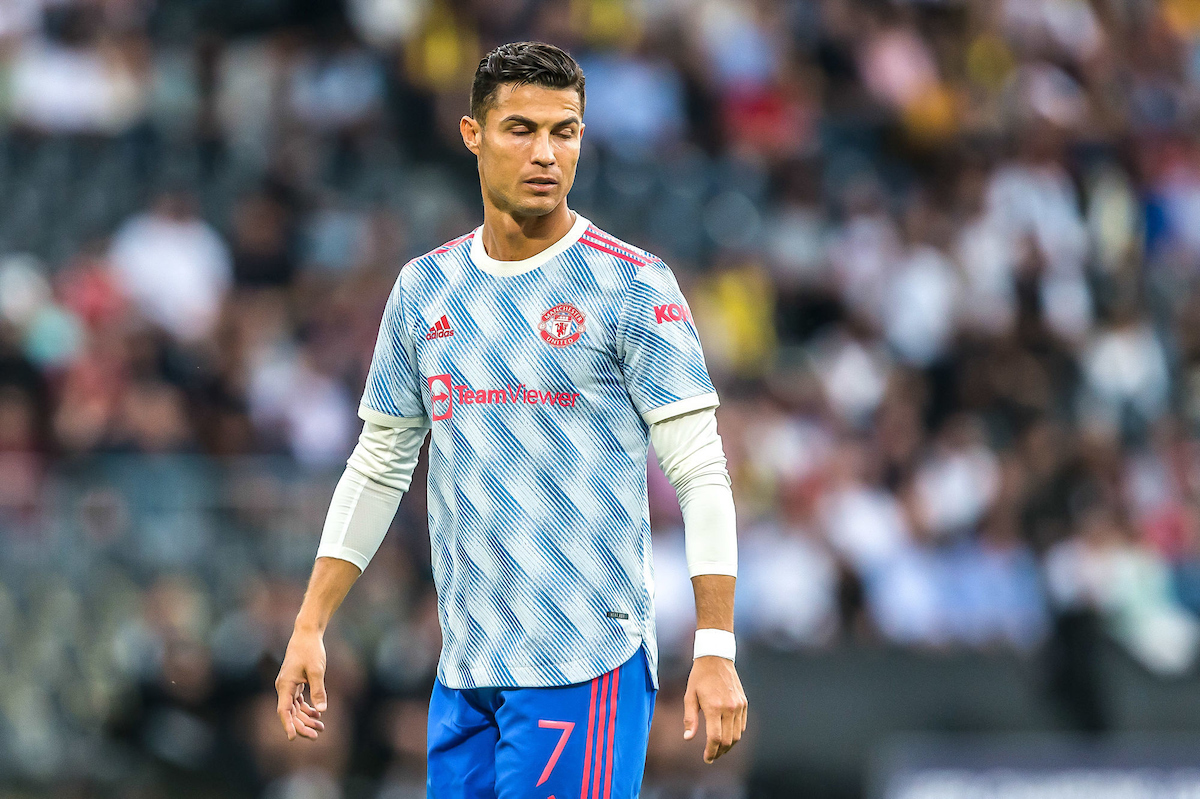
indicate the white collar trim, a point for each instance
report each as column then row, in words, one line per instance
column 512, row 268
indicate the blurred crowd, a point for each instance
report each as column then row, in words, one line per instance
column 944, row 257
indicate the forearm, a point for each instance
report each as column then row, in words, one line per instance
column 709, row 523
column 714, row 601
column 330, row 582
column 363, row 506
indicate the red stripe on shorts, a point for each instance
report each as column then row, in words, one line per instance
column 600, row 736
column 612, row 723
column 587, row 757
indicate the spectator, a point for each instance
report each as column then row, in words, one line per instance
column 1129, row 586
column 310, row 411
column 71, row 83
column 1126, row 372
column 995, row 595
column 634, row 100
column 787, row 591
column 958, row 480
column 174, row 267
column 338, row 90
column 261, row 246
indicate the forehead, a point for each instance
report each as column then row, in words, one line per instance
column 538, row 103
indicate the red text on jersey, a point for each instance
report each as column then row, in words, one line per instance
column 671, row 313
column 443, row 395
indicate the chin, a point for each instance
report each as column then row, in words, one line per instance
column 539, row 206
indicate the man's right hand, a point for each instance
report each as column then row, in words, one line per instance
column 303, row 664
column 304, row 661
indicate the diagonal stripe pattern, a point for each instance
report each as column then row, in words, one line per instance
column 538, row 518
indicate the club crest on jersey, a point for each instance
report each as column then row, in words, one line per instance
column 562, row 325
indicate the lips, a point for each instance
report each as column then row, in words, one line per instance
column 542, row 182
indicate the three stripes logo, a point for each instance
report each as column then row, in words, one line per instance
column 441, row 329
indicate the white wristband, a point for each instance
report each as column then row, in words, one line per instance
column 719, row 643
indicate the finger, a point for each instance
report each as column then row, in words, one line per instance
column 309, row 719
column 309, row 709
column 299, row 704
column 289, row 728
column 691, row 715
column 306, row 732
column 284, row 708
column 303, row 727
column 316, row 689
column 712, row 725
column 728, row 719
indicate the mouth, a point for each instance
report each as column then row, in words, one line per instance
column 541, row 183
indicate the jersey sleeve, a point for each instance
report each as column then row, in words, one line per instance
column 659, row 350
column 392, row 396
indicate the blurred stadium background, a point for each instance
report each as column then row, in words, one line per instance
column 944, row 256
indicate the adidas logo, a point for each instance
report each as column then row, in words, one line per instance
column 440, row 329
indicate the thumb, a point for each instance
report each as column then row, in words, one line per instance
column 316, row 689
column 691, row 714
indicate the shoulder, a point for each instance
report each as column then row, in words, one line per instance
column 609, row 245
column 632, row 264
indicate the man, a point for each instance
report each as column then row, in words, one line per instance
column 545, row 355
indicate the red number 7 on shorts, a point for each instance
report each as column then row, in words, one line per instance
column 566, row 727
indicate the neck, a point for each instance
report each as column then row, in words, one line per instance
column 507, row 237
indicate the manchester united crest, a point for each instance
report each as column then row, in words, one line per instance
column 562, row 325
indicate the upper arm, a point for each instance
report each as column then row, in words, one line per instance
column 659, row 349
column 392, row 396
column 388, row 455
column 688, row 444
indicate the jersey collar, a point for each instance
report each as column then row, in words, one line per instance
column 512, row 268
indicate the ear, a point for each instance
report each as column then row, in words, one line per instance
column 472, row 133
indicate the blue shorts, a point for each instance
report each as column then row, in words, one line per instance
column 586, row 740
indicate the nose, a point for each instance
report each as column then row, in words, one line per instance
column 543, row 150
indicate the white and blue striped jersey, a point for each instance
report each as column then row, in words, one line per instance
column 540, row 379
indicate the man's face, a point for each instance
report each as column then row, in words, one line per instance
column 528, row 147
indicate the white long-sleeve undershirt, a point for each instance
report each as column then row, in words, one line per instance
column 366, row 498
column 689, row 451
column 691, row 456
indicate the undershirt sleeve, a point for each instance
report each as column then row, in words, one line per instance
column 691, row 456
column 366, row 498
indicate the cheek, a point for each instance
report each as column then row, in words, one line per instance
column 500, row 160
column 568, row 159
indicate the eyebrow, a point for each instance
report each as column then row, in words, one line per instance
column 520, row 120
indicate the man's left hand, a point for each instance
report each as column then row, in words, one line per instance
column 715, row 689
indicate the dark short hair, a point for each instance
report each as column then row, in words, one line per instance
column 520, row 63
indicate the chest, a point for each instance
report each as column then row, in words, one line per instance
column 549, row 332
